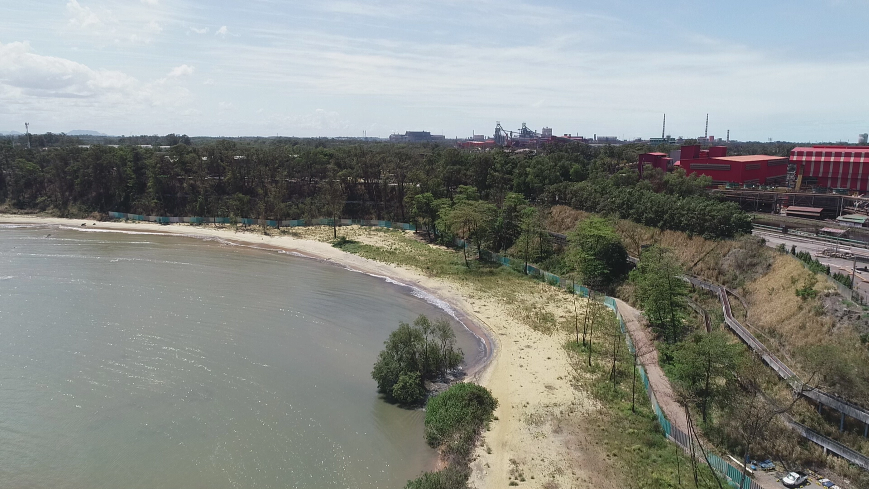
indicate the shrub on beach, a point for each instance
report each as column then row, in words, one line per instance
column 453, row 422
column 455, row 417
column 415, row 353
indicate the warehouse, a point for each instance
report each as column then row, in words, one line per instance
column 723, row 169
column 833, row 167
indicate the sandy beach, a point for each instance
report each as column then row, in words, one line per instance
column 539, row 436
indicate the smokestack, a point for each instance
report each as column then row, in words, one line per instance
column 728, row 135
column 664, row 127
column 706, row 132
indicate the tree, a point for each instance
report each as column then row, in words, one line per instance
column 661, row 292
column 333, row 199
column 425, row 211
column 533, row 234
column 408, row 389
column 596, row 252
column 414, row 354
column 470, row 220
column 705, row 366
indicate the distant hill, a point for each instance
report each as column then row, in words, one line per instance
column 10, row 133
column 85, row 132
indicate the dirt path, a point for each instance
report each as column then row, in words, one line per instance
column 648, row 358
column 660, row 384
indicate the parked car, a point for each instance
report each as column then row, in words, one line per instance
column 827, row 483
column 765, row 465
column 794, row 479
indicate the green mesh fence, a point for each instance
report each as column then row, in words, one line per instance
column 731, row 473
column 267, row 222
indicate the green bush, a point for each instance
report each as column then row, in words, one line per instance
column 408, row 389
column 343, row 241
column 421, row 351
column 449, row 478
column 464, row 407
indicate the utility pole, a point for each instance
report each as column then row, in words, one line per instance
column 853, row 277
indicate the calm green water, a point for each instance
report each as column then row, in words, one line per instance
column 147, row 361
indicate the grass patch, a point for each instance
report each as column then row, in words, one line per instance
column 630, row 431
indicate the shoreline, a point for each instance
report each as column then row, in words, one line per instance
column 539, row 428
column 449, row 301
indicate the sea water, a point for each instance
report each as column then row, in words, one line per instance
column 157, row 361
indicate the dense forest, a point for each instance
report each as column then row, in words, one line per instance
column 292, row 179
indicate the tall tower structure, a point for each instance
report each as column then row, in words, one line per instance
column 706, row 132
column 27, row 132
column 664, row 127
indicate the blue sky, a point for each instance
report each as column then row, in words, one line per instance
column 795, row 70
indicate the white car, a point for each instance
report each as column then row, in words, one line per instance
column 794, row 479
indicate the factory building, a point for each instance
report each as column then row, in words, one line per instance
column 656, row 160
column 714, row 162
column 416, row 137
column 832, row 167
column 752, row 169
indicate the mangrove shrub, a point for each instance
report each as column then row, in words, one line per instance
column 413, row 354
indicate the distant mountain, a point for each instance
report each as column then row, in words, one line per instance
column 85, row 132
column 10, row 133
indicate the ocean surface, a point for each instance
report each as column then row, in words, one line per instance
column 156, row 361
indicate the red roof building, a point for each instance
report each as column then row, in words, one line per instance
column 714, row 162
column 656, row 160
column 839, row 167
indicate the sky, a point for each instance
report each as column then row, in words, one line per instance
column 795, row 70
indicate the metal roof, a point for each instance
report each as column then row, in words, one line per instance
column 748, row 158
column 794, row 208
column 853, row 218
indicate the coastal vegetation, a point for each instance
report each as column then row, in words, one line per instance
column 507, row 202
column 447, row 191
column 787, row 300
column 453, row 422
column 623, row 439
column 414, row 354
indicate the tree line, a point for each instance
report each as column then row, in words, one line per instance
column 293, row 179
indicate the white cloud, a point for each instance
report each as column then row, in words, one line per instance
column 183, row 70
column 119, row 23
column 47, row 76
column 153, row 27
column 204, row 30
column 64, row 90
column 223, row 31
column 82, row 17
column 151, row 2
column 208, row 82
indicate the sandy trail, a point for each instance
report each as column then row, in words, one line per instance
column 539, row 434
column 648, row 357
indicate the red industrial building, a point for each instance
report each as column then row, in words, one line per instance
column 714, row 162
column 834, row 167
column 655, row 160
